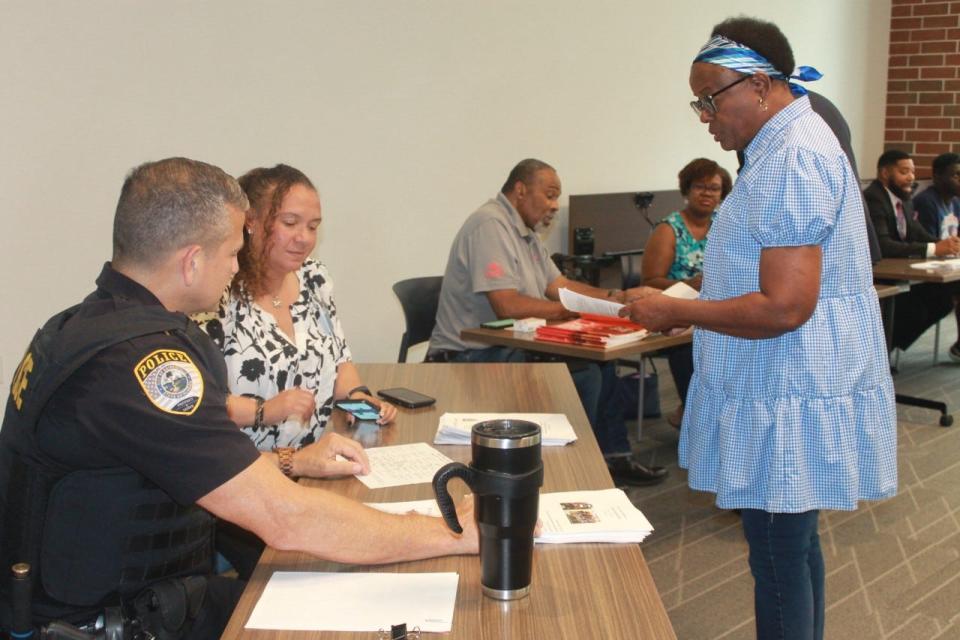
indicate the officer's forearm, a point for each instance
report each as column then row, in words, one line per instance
column 335, row 528
column 289, row 516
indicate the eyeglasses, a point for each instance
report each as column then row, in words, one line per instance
column 708, row 188
column 706, row 103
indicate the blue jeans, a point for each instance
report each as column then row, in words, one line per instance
column 594, row 384
column 788, row 574
column 610, row 426
column 493, row 354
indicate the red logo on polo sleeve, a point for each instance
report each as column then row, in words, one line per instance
column 494, row 271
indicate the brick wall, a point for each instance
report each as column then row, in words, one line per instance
column 923, row 80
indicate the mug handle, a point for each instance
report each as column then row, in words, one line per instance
column 447, row 508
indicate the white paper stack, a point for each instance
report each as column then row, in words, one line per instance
column 591, row 516
column 606, row 515
column 307, row 601
column 555, row 429
column 951, row 264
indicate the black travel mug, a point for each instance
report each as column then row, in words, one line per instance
column 505, row 475
column 20, row 595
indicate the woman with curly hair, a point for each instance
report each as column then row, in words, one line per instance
column 287, row 357
column 286, row 354
column 674, row 252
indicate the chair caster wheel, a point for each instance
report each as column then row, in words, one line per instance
column 946, row 420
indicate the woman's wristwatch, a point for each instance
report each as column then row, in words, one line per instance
column 285, row 457
column 359, row 389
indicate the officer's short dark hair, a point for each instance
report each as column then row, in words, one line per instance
column 891, row 157
column 943, row 162
column 763, row 37
column 172, row 203
column 525, row 172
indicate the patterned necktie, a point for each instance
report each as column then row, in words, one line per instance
column 901, row 221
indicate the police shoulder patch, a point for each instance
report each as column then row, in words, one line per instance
column 171, row 381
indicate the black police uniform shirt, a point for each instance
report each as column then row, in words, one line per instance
column 109, row 413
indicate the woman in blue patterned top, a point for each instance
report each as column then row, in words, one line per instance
column 674, row 252
column 791, row 407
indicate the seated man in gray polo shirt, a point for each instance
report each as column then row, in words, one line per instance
column 498, row 268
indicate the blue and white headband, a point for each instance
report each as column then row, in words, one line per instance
column 733, row 55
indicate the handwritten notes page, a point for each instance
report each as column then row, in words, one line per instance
column 402, row 464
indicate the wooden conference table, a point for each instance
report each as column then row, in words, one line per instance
column 899, row 269
column 510, row 338
column 578, row 590
column 898, row 272
column 650, row 344
column 633, row 350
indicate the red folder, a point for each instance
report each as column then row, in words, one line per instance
column 602, row 332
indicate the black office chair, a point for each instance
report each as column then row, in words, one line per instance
column 419, row 298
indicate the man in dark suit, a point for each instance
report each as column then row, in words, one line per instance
column 901, row 236
column 838, row 124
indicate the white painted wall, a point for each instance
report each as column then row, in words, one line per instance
column 407, row 115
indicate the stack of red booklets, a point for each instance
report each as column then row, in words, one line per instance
column 602, row 332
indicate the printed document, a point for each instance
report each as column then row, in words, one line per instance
column 455, row 428
column 585, row 304
column 313, row 601
column 681, row 290
column 606, row 515
column 402, row 464
column 591, row 516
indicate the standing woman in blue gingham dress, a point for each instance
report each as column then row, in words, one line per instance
column 791, row 408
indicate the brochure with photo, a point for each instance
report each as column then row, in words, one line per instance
column 606, row 515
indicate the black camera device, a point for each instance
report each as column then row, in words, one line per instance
column 643, row 200
column 583, row 241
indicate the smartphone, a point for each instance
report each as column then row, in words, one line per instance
column 497, row 324
column 359, row 409
column 406, row 397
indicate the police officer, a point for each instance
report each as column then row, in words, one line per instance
column 116, row 431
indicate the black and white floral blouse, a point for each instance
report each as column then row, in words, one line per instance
column 261, row 359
